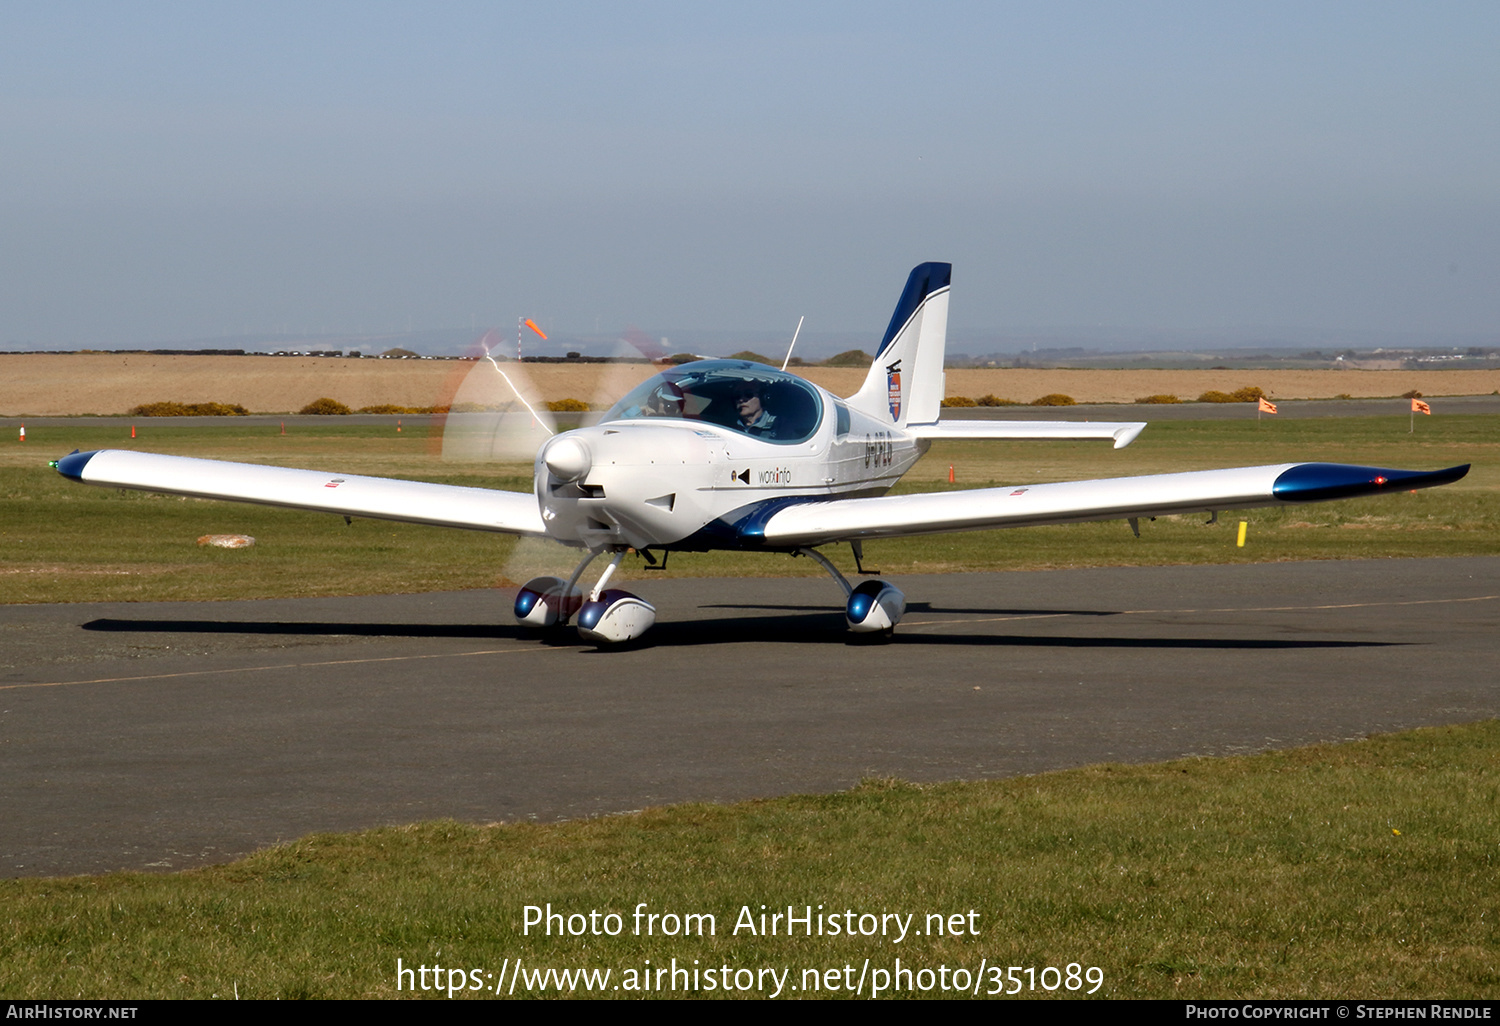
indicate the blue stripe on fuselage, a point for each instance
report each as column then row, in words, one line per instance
column 743, row 528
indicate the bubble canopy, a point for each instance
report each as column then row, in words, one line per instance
column 750, row 398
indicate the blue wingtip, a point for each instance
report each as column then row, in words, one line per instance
column 1313, row 482
column 72, row 464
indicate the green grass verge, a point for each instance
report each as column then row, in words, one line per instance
column 1366, row 869
column 63, row 542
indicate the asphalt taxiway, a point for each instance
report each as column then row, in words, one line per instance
column 168, row 735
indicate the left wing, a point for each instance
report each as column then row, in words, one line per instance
column 383, row 498
column 1202, row 491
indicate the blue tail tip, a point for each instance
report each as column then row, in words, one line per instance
column 924, row 280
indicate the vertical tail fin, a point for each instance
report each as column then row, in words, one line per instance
column 905, row 383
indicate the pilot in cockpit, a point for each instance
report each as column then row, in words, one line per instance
column 749, row 399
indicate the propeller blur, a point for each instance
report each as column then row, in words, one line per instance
column 728, row 454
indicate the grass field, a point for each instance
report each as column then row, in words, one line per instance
column 64, row 542
column 1359, row 870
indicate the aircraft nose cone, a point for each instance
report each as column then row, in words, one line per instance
column 568, row 459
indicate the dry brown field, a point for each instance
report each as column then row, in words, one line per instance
column 53, row 385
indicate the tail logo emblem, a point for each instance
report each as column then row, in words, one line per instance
column 893, row 386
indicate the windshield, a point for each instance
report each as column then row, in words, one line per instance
column 750, row 398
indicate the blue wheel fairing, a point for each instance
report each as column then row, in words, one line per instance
column 862, row 600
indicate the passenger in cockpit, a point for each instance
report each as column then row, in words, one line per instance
column 749, row 399
column 664, row 402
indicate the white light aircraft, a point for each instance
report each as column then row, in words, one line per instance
column 727, row 454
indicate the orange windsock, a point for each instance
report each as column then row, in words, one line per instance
column 532, row 325
column 1266, row 407
column 1418, row 406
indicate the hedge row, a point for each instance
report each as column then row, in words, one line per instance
column 987, row 400
column 169, row 409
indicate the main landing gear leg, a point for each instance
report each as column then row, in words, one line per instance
column 551, row 601
column 874, row 606
column 573, row 581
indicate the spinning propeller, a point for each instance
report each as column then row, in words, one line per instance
column 497, row 416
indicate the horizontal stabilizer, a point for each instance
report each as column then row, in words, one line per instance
column 1122, row 434
column 382, row 498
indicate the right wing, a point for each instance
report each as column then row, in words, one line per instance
column 383, row 498
column 1199, row 491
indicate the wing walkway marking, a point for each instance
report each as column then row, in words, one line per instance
column 1227, row 609
column 285, row 666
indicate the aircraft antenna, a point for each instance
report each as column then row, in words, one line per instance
column 794, row 342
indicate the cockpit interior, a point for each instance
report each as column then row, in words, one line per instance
column 750, row 398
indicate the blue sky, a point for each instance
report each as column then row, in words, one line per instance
column 177, row 171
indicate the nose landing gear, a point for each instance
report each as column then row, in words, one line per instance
column 607, row 617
